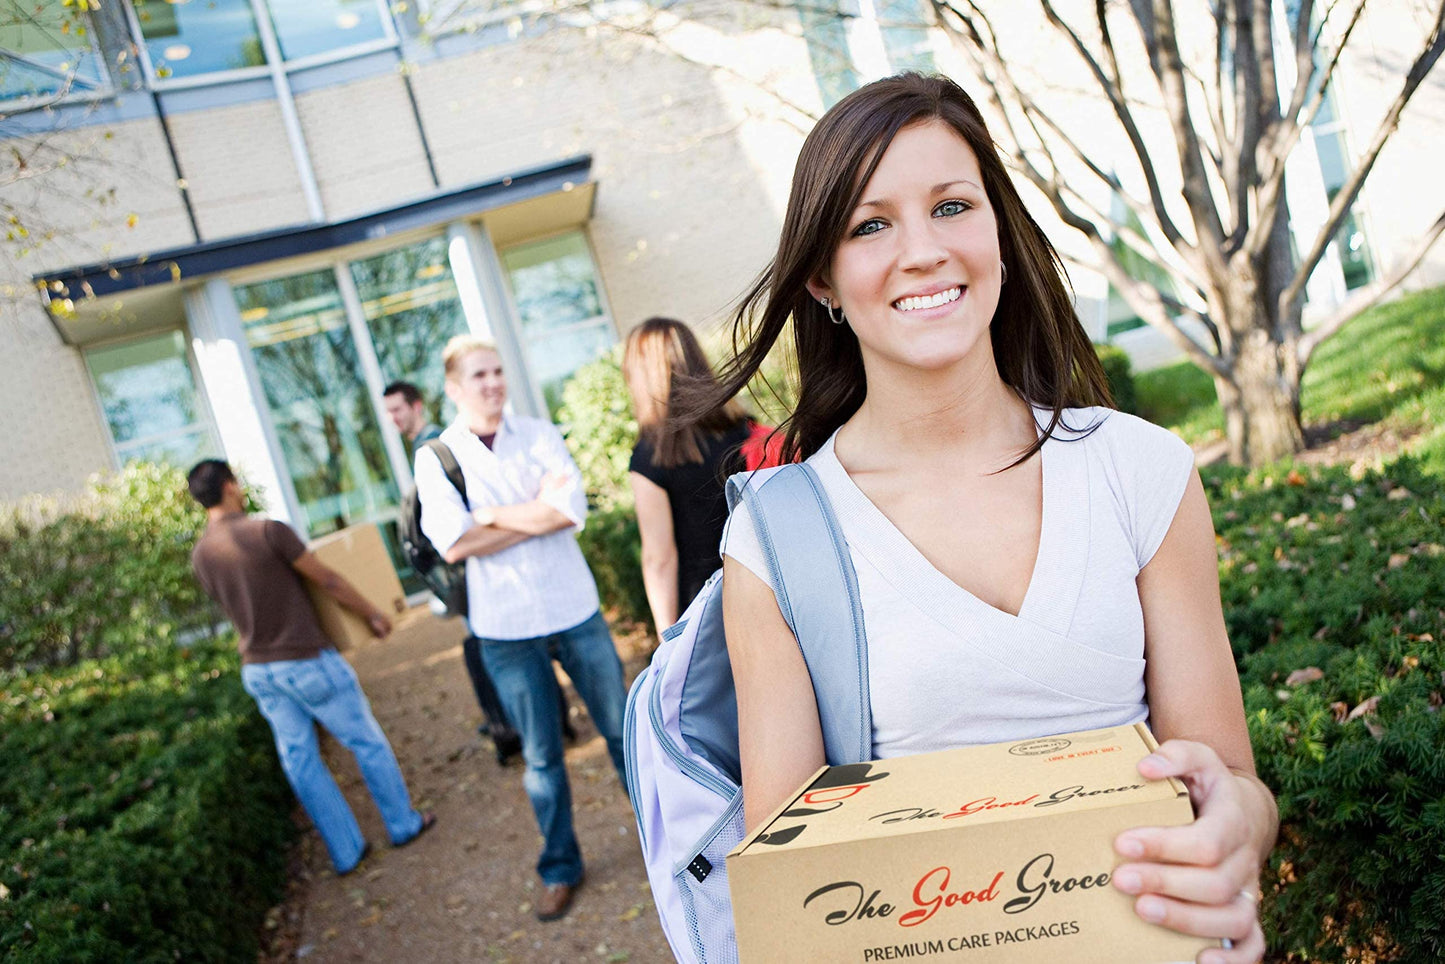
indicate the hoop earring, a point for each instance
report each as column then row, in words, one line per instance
column 837, row 319
column 1003, row 271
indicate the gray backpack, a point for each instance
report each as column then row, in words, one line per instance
column 681, row 731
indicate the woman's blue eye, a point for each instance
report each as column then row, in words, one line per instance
column 950, row 208
column 871, row 226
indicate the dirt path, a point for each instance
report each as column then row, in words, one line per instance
column 464, row 891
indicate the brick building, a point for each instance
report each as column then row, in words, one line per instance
column 272, row 208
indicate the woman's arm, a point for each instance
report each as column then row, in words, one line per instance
column 1201, row 878
column 659, row 549
column 779, row 736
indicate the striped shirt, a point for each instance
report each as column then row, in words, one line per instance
column 541, row 585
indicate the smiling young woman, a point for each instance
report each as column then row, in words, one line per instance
column 1013, row 538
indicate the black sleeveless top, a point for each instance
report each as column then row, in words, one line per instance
column 699, row 504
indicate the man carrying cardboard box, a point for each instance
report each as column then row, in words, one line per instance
column 253, row 567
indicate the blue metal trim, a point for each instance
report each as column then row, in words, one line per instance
column 193, row 261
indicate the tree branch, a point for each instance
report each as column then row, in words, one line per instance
column 1344, row 199
column 1131, row 130
column 1370, row 294
column 1197, row 193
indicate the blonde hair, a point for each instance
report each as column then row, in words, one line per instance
column 660, row 357
column 459, row 347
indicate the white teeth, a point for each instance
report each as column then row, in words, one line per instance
column 928, row 301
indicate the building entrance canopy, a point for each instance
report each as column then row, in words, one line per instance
column 275, row 348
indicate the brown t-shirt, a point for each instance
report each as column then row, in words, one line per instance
column 244, row 563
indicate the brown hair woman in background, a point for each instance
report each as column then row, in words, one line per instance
column 677, row 471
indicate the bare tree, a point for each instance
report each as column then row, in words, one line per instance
column 1209, row 211
column 1233, row 125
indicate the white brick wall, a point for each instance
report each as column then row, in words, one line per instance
column 364, row 146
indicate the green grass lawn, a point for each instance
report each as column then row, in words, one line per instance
column 1387, row 366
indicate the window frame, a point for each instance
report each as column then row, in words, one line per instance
column 259, row 8
column 103, row 89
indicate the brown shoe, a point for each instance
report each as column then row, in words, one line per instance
column 556, row 900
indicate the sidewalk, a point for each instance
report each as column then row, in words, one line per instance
column 463, row 892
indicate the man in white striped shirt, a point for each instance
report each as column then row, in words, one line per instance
column 531, row 596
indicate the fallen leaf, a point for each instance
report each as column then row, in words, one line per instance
column 1294, row 478
column 330, row 934
column 1347, row 502
column 1396, row 494
column 631, row 913
column 1341, row 710
column 1397, row 560
column 1302, row 676
column 1294, row 522
column 373, row 918
column 1364, row 708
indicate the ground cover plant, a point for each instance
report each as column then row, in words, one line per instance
column 1333, row 582
column 1334, row 593
column 143, row 816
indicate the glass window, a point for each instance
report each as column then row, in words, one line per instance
column 318, row 402
column 186, row 38
column 826, row 35
column 559, row 302
column 46, row 50
column 905, row 38
column 411, row 308
column 1120, row 316
column 148, row 394
column 308, row 27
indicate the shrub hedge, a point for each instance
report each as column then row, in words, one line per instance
column 143, row 816
column 102, row 572
column 1334, row 593
column 1120, row 373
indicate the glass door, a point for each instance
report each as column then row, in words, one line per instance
column 325, row 422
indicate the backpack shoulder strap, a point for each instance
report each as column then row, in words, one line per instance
column 817, row 592
column 450, row 466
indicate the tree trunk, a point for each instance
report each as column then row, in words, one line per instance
column 1261, row 401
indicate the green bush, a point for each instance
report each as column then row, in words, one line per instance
column 144, row 815
column 1341, row 582
column 597, row 419
column 613, row 548
column 106, row 570
column 1120, row 375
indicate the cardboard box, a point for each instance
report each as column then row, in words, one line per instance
column 358, row 554
column 999, row 853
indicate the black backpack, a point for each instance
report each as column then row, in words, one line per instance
column 446, row 580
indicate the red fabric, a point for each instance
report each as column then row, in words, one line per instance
column 763, row 449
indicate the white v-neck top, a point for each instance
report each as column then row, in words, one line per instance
column 946, row 669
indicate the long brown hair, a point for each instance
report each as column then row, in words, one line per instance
column 1040, row 348
column 660, row 359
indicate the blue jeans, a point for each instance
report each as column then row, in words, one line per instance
column 294, row 695
column 523, row 674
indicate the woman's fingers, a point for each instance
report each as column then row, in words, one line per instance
column 1233, row 920
column 1197, row 885
column 1247, row 951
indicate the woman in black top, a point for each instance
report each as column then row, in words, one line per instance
column 677, row 473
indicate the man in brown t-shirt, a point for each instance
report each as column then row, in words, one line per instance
column 253, row 567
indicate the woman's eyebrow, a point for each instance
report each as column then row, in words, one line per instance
column 936, row 189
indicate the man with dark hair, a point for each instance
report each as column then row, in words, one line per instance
column 403, row 402
column 253, row 567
